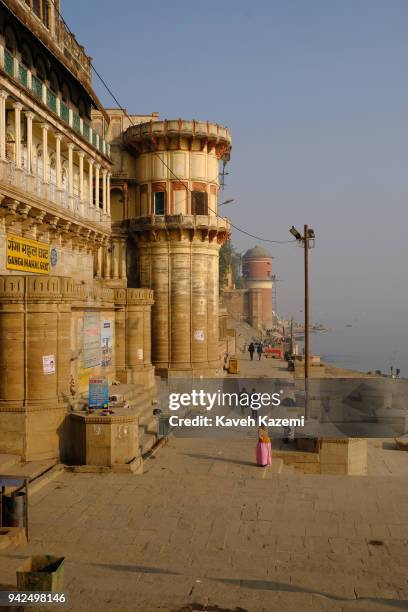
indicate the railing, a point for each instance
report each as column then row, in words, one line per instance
column 35, row 185
column 30, row 81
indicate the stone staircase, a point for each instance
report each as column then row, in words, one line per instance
column 142, row 401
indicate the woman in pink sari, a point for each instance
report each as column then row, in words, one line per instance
column 263, row 448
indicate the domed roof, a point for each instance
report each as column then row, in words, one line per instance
column 257, row 253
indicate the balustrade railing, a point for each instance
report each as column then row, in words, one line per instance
column 34, row 184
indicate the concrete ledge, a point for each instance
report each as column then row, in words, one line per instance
column 133, row 467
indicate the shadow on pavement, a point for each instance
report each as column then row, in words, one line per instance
column 261, row 585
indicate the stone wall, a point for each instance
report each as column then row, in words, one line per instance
column 54, row 335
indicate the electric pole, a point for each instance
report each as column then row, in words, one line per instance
column 306, row 241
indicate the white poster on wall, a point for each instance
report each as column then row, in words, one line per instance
column 140, row 353
column 199, row 335
column 48, row 364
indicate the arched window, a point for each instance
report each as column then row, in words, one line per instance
column 40, row 68
column 66, row 97
column 82, row 109
column 26, row 56
column 10, row 38
column 54, row 85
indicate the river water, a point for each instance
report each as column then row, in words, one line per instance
column 367, row 345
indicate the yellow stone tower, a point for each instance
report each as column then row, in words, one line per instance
column 168, row 175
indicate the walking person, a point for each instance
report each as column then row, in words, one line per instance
column 259, row 350
column 251, row 350
column 263, row 448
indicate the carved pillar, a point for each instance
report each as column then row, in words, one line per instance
column 44, row 127
column 29, row 116
column 108, row 201
column 107, row 260
column 104, row 204
column 17, row 131
column 115, row 259
column 122, row 270
column 58, row 138
column 120, row 334
column 97, row 166
column 3, row 98
column 81, row 156
column 70, row 171
column 90, row 182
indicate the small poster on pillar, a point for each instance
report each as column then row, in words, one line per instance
column 106, row 343
column 48, row 364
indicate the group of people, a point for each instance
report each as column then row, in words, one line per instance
column 255, row 347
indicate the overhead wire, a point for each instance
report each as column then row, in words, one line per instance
column 109, row 90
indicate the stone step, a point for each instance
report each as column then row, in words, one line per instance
column 8, row 461
column 39, row 473
column 147, row 443
column 31, row 469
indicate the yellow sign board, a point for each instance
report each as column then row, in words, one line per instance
column 27, row 255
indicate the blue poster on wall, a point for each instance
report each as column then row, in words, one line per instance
column 98, row 393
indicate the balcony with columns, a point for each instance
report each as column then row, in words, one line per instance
column 39, row 162
column 28, row 81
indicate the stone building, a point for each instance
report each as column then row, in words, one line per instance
column 102, row 217
column 164, row 199
column 253, row 304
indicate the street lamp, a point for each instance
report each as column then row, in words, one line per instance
column 306, row 242
column 226, row 202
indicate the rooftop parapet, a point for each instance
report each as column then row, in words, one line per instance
column 211, row 133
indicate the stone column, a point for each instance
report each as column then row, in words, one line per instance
column 12, row 363
column 3, row 98
column 41, row 329
column 104, row 204
column 107, row 260
column 64, row 340
column 70, row 172
column 138, row 308
column 81, row 156
column 97, row 167
column 108, row 200
column 17, row 131
column 58, row 138
column 199, row 297
column 29, row 116
column 180, row 331
column 90, row 181
column 123, row 271
column 44, row 127
column 120, row 334
column 212, row 304
column 160, row 275
column 115, row 259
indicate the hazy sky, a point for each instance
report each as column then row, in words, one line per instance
column 315, row 94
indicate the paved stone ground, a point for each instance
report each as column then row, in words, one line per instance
column 205, row 526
